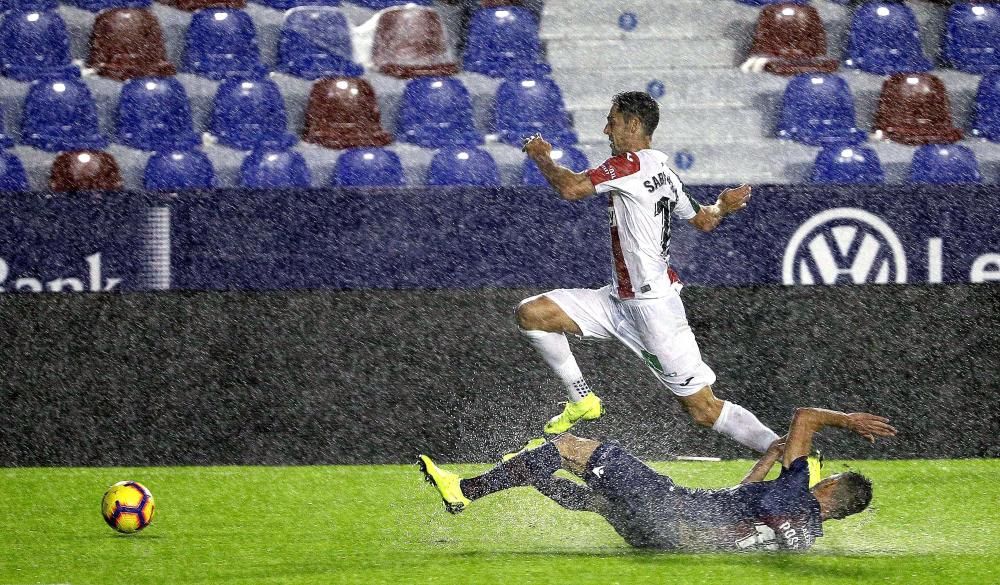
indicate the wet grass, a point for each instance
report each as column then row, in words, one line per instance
column 933, row 522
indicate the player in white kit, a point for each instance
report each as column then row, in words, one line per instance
column 641, row 307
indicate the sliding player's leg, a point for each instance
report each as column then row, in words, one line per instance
column 524, row 469
column 545, row 320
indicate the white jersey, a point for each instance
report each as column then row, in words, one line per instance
column 642, row 195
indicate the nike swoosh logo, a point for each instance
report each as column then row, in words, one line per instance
column 599, row 471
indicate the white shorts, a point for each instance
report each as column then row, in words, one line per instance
column 656, row 330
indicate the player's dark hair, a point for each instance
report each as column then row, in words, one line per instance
column 851, row 495
column 641, row 105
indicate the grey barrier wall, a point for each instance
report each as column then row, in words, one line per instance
column 377, row 376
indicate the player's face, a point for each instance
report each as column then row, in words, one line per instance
column 615, row 130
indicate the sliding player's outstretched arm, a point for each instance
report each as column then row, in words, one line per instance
column 730, row 201
column 807, row 421
column 570, row 186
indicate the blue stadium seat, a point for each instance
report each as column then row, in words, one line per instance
column 316, row 42
column 944, row 164
column 463, row 166
column 290, row 4
column 250, row 113
column 885, row 39
column 972, row 40
column 569, row 157
column 274, row 168
column 818, row 109
column 526, row 106
column 60, row 115
column 29, row 5
column 154, row 114
column 368, row 167
column 12, row 175
column 504, row 42
column 34, row 45
column 220, row 43
column 986, row 110
column 847, row 164
column 766, row 2
column 99, row 5
column 178, row 170
column 436, row 112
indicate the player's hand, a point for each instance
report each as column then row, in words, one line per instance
column 536, row 147
column 870, row 426
column 777, row 447
column 734, row 199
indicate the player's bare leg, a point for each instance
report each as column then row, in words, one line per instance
column 545, row 325
column 575, row 452
column 728, row 418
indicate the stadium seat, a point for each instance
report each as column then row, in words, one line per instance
column 60, row 115
column 126, row 43
column 569, row 157
column 222, row 43
column 368, row 167
column 154, row 114
column 526, row 106
column 846, row 164
column 944, row 164
column 85, row 170
column 34, row 45
column 178, row 170
column 343, row 113
column 885, row 39
column 986, row 109
column 972, row 38
column 473, row 167
column 503, row 42
column 913, row 109
column 316, row 42
column 12, row 175
column 818, row 109
column 274, row 168
column 99, row 5
column 248, row 113
column 410, row 42
column 793, row 40
column 29, row 5
column 195, row 5
column 436, row 112
column 291, row 4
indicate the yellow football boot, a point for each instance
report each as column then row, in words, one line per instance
column 590, row 408
column 447, row 484
column 531, row 444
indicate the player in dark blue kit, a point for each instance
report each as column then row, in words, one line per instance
column 649, row 510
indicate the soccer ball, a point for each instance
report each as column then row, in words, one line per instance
column 127, row 507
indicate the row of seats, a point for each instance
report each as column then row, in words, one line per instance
column 274, row 168
column 932, row 164
column 884, row 39
column 315, row 41
column 154, row 114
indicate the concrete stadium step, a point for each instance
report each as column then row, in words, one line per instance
column 722, row 125
column 654, row 19
column 693, row 88
column 602, row 54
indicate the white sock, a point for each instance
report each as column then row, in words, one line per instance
column 554, row 348
column 742, row 426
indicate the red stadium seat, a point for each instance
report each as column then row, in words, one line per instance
column 85, row 170
column 126, row 43
column 792, row 38
column 192, row 5
column 913, row 109
column 410, row 42
column 343, row 113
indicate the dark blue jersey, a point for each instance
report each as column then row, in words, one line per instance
column 649, row 510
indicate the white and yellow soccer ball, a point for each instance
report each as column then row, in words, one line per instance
column 127, row 506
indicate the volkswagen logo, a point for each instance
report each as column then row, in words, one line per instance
column 844, row 246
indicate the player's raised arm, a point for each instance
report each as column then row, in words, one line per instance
column 773, row 454
column 570, row 186
column 730, row 201
column 807, row 421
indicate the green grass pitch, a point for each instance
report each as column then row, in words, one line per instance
column 933, row 522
